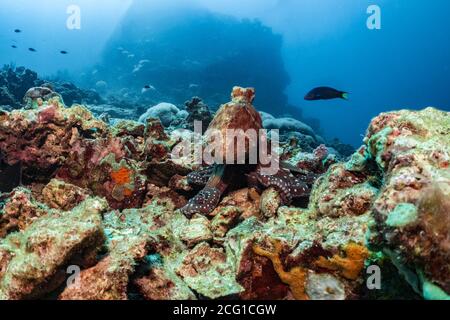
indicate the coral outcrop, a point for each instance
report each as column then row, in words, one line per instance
column 165, row 112
column 195, row 72
column 412, row 210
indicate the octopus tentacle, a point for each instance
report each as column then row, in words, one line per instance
column 208, row 198
column 201, row 177
column 217, row 178
column 288, row 186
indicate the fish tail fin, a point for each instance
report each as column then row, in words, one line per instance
column 344, row 95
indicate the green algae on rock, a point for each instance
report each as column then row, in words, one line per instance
column 32, row 261
column 416, row 154
column 402, row 215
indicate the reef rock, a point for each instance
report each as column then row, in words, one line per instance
column 129, row 236
column 18, row 210
column 208, row 271
column 196, row 231
column 15, row 92
column 340, row 192
column 60, row 195
column 165, row 112
column 286, row 253
column 14, row 83
column 32, row 262
column 109, row 200
column 42, row 138
column 288, row 125
column 36, row 96
column 197, row 111
column 160, row 285
column 413, row 209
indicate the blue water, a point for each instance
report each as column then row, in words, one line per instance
column 319, row 42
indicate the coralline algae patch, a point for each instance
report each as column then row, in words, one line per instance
column 107, row 199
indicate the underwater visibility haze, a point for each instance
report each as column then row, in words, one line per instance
column 98, row 99
column 320, row 43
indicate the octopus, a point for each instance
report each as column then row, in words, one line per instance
column 288, row 185
column 216, row 179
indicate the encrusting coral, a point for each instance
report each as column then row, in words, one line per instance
column 351, row 265
column 295, row 277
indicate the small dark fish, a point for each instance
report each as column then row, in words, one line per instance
column 147, row 88
column 325, row 93
column 63, row 52
column 32, row 49
column 17, row 31
column 14, row 46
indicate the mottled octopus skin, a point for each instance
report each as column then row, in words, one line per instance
column 207, row 199
column 201, row 177
column 287, row 185
column 204, row 202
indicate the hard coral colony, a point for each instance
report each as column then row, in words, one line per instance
column 112, row 200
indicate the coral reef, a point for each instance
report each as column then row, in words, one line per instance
column 33, row 260
column 15, row 84
column 197, row 111
column 110, row 202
